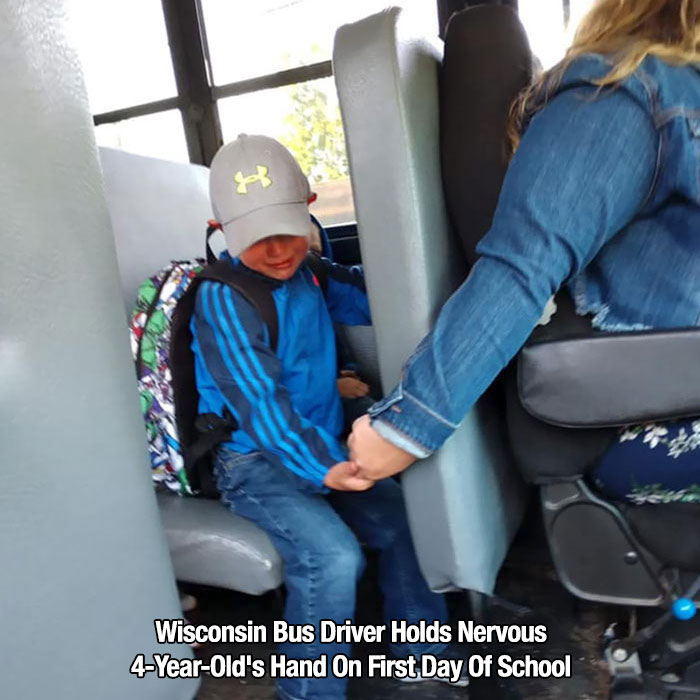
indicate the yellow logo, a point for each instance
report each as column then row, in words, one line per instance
column 244, row 181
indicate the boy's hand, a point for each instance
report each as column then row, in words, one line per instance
column 351, row 387
column 344, row 476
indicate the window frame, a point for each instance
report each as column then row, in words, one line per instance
column 197, row 96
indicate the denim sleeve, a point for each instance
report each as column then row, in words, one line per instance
column 584, row 168
column 232, row 340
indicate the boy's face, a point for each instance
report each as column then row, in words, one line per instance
column 278, row 257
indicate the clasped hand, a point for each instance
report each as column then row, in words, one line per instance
column 374, row 457
column 371, row 458
column 345, row 476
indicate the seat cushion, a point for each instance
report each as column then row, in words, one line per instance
column 212, row 546
column 546, row 453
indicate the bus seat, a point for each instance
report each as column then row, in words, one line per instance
column 210, row 545
column 159, row 212
column 466, row 501
column 85, row 564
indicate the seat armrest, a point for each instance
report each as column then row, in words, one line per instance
column 611, row 379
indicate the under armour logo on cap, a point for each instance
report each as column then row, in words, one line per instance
column 244, row 181
column 258, row 190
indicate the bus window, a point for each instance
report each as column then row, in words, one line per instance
column 305, row 117
column 124, row 52
column 126, row 61
column 249, row 42
column 157, row 135
column 253, row 39
column 550, row 25
column 266, row 66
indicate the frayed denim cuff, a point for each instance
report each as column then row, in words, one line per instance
column 407, row 423
column 388, row 432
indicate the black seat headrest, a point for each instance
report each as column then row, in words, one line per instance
column 487, row 62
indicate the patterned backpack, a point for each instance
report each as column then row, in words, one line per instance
column 180, row 440
column 150, row 344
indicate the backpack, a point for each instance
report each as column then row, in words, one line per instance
column 181, row 442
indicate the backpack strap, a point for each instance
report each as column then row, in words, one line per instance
column 318, row 267
column 200, row 434
column 255, row 289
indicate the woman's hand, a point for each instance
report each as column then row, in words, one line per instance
column 345, row 476
column 375, row 457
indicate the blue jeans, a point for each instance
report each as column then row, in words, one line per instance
column 323, row 559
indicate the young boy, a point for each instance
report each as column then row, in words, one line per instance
column 284, row 467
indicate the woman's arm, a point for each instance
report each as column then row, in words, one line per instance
column 584, row 168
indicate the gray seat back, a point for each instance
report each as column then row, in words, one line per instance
column 466, row 501
column 159, row 212
column 85, row 564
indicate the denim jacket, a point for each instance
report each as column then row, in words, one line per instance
column 603, row 195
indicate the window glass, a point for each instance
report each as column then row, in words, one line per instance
column 123, row 48
column 158, row 135
column 544, row 23
column 249, row 39
column 306, row 118
column 578, row 9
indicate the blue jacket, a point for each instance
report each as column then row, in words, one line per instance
column 286, row 403
column 603, row 195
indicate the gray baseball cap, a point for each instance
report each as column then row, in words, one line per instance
column 257, row 189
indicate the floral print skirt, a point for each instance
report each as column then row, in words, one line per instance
column 653, row 463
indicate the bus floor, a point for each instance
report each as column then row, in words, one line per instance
column 573, row 628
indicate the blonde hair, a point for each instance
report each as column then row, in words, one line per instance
column 627, row 31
